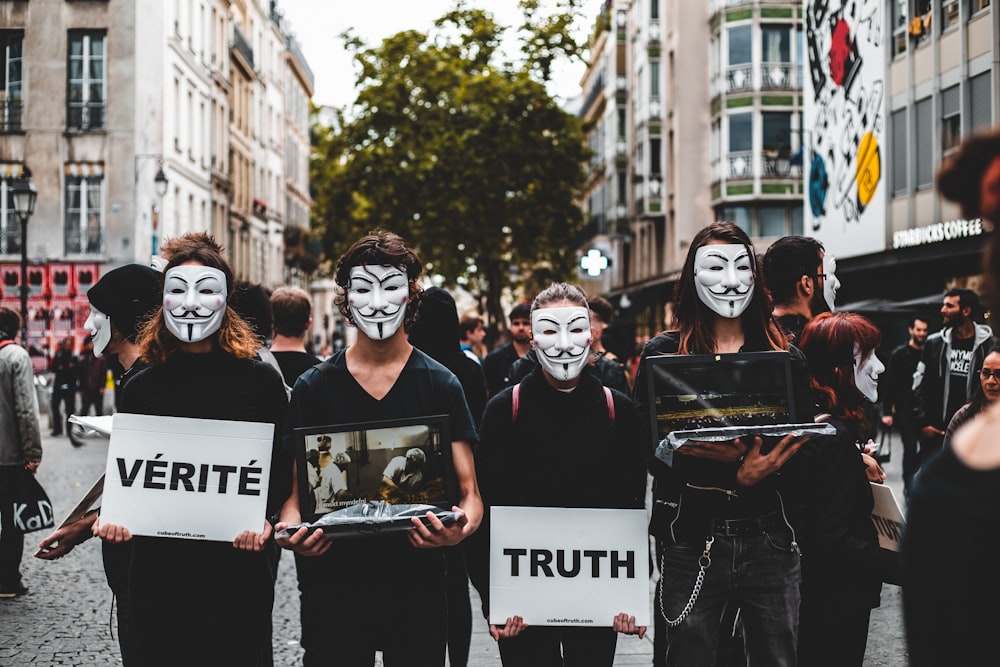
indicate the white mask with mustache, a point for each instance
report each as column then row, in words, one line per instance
column 561, row 337
column 99, row 326
column 377, row 296
column 194, row 301
column 723, row 278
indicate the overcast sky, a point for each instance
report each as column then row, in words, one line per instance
column 317, row 24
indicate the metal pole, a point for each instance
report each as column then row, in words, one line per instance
column 24, row 282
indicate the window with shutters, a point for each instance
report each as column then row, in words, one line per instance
column 924, row 149
column 980, row 102
column 899, row 158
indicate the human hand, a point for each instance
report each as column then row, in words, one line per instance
column 887, row 420
column 110, row 532
column 251, row 541
column 626, row 624
column 514, row 626
column 872, row 469
column 757, row 466
column 726, row 451
column 302, row 541
column 931, row 431
column 32, row 466
column 437, row 534
column 61, row 541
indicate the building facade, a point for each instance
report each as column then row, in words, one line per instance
column 139, row 121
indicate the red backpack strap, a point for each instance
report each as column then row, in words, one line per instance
column 515, row 403
column 5, row 343
column 611, row 404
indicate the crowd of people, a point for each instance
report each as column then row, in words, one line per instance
column 765, row 556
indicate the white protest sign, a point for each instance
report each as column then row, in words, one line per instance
column 887, row 517
column 559, row 566
column 203, row 479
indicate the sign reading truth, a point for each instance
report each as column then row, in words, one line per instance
column 559, row 566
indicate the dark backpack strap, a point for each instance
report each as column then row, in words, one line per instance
column 611, row 404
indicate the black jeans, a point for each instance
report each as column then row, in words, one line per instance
column 348, row 615
column 911, row 458
column 64, row 395
column 11, row 538
column 560, row 647
column 459, row 607
column 91, row 397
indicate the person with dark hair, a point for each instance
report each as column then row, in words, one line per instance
column 945, row 377
column 720, row 502
column 471, row 332
column 794, row 275
column 497, row 364
column 989, row 381
column 843, row 566
column 65, row 369
column 381, row 377
column 950, row 578
column 897, row 396
column 20, row 445
column 291, row 308
column 432, row 333
column 560, row 420
column 119, row 303
column 202, row 366
column 252, row 302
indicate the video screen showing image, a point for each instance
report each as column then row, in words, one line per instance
column 398, row 464
column 719, row 393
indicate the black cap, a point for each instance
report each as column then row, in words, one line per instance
column 127, row 295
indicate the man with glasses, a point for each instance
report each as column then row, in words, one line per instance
column 802, row 282
column 946, row 374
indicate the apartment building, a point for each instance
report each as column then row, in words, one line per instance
column 138, row 121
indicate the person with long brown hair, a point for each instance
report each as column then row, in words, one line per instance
column 214, row 596
column 719, row 503
column 843, row 566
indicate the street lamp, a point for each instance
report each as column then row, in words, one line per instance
column 23, row 195
column 161, row 183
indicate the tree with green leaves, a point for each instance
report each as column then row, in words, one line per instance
column 463, row 153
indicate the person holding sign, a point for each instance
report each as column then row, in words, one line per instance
column 200, row 602
column 843, row 566
column 379, row 592
column 719, row 511
column 557, row 439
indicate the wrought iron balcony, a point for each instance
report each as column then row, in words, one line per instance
column 84, row 242
column 11, row 115
column 242, row 45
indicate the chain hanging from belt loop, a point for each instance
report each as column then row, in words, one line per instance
column 704, row 561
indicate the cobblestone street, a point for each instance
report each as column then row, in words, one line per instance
column 67, row 619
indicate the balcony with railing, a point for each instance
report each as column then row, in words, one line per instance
column 739, row 78
column 11, row 115
column 10, row 239
column 242, row 45
column 780, row 76
column 717, row 6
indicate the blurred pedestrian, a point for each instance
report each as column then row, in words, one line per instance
column 291, row 309
column 93, row 379
column 471, row 332
column 20, row 445
column 843, row 566
column 497, row 364
column 950, row 579
column 65, row 375
column 989, row 381
column 896, row 389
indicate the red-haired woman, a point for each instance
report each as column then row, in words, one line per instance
column 843, row 566
column 721, row 499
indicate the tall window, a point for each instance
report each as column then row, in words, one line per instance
column 924, row 156
column 981, row 101
column 86, row 93
column 897, row 127
column 951, row 119
column 84, row 215
column 900, row 25
column 777, row 129
column 654, row 9
column 10, row 226
column 739, row 45
column 977, row 6
column 740, row 132
column 655, row 162
column 11, row 68
column 654, row 78
column 949, row 14
column 775, row 42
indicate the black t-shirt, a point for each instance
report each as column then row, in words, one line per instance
column 294, row 364
column 329, row 394
column 959, row 367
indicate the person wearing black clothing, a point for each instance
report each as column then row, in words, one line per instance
column 794, row 274
column 609, row 373
column 202, row 366
column 435, row 332
column 399, row 607
column 843, row 566
column 497, row 364
column 896, row 389
column 93, row 379
column 545, row 457
column 65, row 369
column 723, row 498
column 291, row 309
